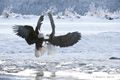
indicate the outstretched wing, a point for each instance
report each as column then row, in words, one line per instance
column 26, row 32
column 39, row 23
column 66, row 40
column 52, row 25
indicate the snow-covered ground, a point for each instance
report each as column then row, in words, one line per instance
column 88, row 59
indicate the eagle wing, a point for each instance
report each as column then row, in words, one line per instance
column 26, row 32
column 52, row 25
column 39, row 23
column 64, row 40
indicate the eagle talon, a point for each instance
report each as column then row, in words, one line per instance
column 45, row 42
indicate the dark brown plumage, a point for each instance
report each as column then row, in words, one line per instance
column 29, row 34
column 64, row 40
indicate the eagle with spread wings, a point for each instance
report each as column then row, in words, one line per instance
column 35, row 37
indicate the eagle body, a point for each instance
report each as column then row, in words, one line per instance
column 31, row 36
column 39, row 41
column 39, row 49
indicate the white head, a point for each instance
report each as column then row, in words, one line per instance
column 40, row 35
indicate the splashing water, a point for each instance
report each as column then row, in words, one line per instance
column 39, row 52
column 50, row 49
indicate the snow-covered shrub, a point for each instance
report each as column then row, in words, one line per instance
column 76, row 15
column 70, row 13
column 60, row 15
column 53, row 9
column 116, row 14
column 102, row 13
column 7, row 12
column 98, row 12
column 92, row 10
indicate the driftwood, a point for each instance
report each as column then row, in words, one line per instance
column 115, row 58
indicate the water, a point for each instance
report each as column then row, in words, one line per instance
column 89, row 57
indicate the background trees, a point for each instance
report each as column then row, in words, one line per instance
column 37, row 7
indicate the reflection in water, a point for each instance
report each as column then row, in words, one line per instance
column 39, row 75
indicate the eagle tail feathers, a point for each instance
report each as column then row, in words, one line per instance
column 39, row 52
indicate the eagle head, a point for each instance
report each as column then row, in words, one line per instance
column 40, row 35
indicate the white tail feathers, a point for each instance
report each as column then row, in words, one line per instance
column 39, row 52
column 49, row 50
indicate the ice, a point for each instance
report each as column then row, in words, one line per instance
column 89, row 57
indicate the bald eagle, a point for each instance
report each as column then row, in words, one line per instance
column 64, row 40
column 33, row 36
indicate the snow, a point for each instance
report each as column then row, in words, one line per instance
column 89, row 57
column 94, row 76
